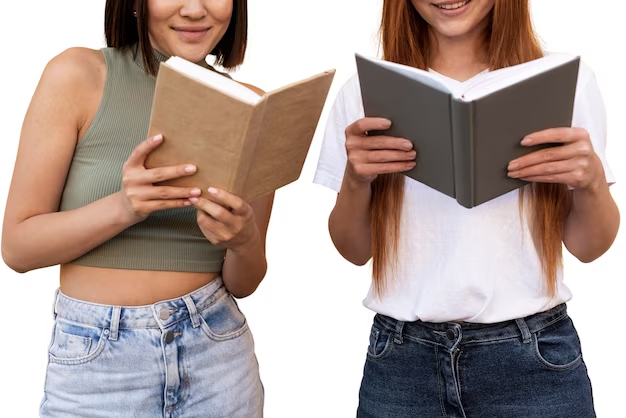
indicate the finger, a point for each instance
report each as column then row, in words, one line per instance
column 228, row 200
column 159, row 174
column 362, row 126
column 557, row 178
column 388, row 156
column 155, row 205
column 385, row 168
column 554, row 136
column 377, row 143
column 543, row 156
column 544, row 169
column 141, row 151
column 210, row 227
column 214, row 210
column 168, row 193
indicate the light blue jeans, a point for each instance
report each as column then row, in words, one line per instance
column 186, row 357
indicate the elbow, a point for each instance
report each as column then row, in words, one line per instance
column 15, row 258
column 357, row 261
column 243, row 292
column 12, row 261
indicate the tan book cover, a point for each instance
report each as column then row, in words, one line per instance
column 247, row 144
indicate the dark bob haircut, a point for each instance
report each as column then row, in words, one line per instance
column 123, row 29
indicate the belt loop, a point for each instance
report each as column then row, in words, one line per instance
column 55, row 304
column 115, row 323
column 193, row 313
column 398, row 332
column 523, row 327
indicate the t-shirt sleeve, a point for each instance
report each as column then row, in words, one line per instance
column 346, row 109
column 590, row 114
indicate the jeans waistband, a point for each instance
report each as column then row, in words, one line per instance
column 162, row 314
column 453, row 333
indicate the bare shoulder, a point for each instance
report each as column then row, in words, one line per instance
column 76, row 69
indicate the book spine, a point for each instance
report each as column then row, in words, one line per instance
column 463, row 147
column 249, row 143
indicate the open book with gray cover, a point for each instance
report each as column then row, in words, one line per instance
column 465, row 140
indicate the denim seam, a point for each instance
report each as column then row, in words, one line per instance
column 439, row 382
column 81, row 360
column 386, row 349
column 492, row 341
column 552, row 322
column 225, row 337
column 454, row 360
column 555, row 367
column 423, row 341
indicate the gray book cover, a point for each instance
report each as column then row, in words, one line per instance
column 464, row 147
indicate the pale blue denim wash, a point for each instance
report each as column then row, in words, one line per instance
column 187, row 357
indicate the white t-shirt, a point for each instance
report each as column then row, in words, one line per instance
column 456, row 264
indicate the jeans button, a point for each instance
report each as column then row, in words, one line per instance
column 164, row 314
column 451, row 334
column 169, row 337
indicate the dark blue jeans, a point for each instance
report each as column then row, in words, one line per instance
column 526, row 368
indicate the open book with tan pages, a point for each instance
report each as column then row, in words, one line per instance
column 240, row 141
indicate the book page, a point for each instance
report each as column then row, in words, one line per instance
column 422, row 76
column 492, row 81
column 212, row 79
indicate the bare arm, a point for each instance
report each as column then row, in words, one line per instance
column 245, row 267
column 34, row 233
column 592, row 225
column 350, row 221
column 593, row 222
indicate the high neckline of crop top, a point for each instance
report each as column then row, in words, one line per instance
column 138, row 58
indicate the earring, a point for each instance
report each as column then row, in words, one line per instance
column 135, row 13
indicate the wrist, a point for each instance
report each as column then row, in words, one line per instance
column 250, row 245
column 123, row 215
column 355, row 183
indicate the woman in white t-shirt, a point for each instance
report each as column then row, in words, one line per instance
column 471, row 317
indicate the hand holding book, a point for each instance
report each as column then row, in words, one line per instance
column 140, row 196
column 573, row 163
column 369, row 156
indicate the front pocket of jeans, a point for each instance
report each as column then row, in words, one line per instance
column 557, row 347
column 74, row 343
column 380, row 343
column 223, row 320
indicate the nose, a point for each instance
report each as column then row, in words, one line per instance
column 194, row 9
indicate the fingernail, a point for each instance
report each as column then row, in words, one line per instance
column 512, row 174
column 407, row 145
column 157, row 138
column 195, row 192
column 194, row 199
column 512, row 166
column 527, row 140
column 386, row 123
column 190, row 169
column 212, row 190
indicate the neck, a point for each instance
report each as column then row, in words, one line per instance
column 459, row 58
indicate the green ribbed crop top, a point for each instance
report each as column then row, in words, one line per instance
column 168, row 240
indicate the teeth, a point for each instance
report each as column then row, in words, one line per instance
column 453, row 6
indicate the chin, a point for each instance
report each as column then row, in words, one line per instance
column 455, row 29
column 193, row 53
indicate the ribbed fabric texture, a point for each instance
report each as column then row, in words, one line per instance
column 167, row 240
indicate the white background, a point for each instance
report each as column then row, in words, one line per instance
column 310, row 328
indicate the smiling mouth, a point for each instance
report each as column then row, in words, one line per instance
column 453, row 6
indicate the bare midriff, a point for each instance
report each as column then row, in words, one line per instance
column 128, row 287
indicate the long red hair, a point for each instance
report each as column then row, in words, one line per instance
column 511, row 40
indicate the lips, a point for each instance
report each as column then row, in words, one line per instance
column 452, row 5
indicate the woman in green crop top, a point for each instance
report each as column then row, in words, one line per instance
column 146, row 323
